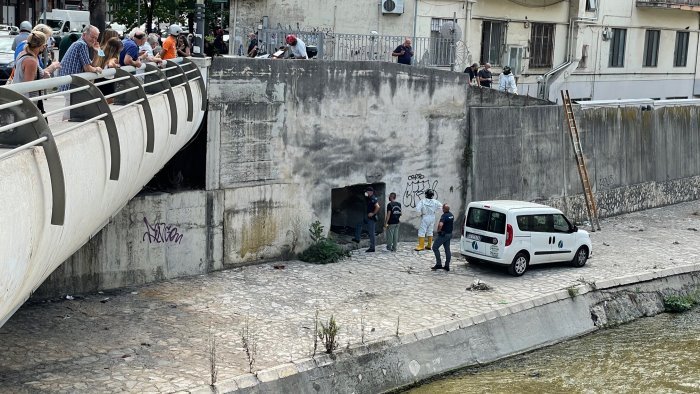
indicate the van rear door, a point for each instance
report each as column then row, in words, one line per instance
column 485, row 232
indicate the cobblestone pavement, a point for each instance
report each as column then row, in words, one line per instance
column 156, row 338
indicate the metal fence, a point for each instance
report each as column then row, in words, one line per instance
column 427, row 51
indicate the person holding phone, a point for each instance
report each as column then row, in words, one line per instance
column 131, row 54
column 404, row 52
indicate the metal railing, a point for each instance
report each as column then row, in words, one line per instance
column 23, row 125
column 427, row 51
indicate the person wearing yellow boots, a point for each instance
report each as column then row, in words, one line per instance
column 427, row 208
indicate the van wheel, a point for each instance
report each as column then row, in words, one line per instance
column 519, row 264
column 471, row 260
column 580, row 257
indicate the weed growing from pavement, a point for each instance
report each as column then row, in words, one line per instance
column 573, row 291
column 213, row 369
column 363, row 326
column 323, row 250
column 250, row 344
column 328, row 333
column 315, row 335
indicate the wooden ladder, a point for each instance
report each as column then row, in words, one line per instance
column 591, row 205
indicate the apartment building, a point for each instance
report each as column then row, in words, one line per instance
column 598, row 49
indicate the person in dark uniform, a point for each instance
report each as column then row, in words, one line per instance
column 445, row 227
column 370, row 219
column 404, row 52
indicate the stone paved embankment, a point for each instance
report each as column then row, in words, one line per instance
column 156, row 338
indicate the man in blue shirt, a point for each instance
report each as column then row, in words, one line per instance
column 77, row 58
column 445, row 228
column 404, row 52
column 131, row 55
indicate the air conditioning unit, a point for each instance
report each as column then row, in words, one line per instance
column 392, row 6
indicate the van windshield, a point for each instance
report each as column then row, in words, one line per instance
column 486, row 220
column 54, row 23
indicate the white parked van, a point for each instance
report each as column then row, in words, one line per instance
column 65, row 21
column 518, row 233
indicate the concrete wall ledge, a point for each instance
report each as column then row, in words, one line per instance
column 396, row 362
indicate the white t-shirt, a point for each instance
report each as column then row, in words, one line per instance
column 299, row 50
column 147, row 47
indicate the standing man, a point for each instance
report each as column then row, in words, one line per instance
column 370, row 219
column 298, row 48
column 506, row 83
column 472, row 70
column 77, row 59
column 444, row 236
column 485, row 76
column 24, row 29
column 427, row 208
column 391, row 222
column 252, row 45
column 131, row 53
column 404, row 52
column 170, row 43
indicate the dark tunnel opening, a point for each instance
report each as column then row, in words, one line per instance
column 348, row 208
column 186, row 170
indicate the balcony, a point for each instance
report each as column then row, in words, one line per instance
column 688, row 5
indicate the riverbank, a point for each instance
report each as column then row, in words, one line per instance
column 157, row 338
column 653, row 355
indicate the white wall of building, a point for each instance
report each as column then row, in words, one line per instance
column 592, row 79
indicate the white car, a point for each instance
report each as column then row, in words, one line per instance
column 518, row 234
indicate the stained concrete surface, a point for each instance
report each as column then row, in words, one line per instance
column 155, row 338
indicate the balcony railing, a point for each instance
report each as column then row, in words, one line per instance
column 690, row 5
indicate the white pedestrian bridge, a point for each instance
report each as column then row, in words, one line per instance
column 62, row 180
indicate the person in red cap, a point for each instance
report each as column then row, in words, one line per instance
column 297, row 47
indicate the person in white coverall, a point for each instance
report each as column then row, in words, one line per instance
column 427, row 208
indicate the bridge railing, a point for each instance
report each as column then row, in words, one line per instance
column 24, row 126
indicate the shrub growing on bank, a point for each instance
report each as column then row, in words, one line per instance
column 678, row 304
column 323, row 250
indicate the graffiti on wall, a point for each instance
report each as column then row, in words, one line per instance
column 161, row 233
column 416, row 185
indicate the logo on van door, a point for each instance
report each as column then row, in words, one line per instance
column 475, row 245
column 561, row 244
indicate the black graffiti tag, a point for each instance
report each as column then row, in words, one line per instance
column 161, row 233
column 416, row 186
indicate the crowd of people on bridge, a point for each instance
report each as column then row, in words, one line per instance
column 90, row 51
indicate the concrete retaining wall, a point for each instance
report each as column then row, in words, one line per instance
column 284, row 134
column 154, row 237
column 636, row 159
column 409, row 358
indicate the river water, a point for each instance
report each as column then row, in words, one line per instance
column 659, row 354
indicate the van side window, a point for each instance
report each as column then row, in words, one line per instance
column 561, row 224
column 483, row 219
column 536, row 223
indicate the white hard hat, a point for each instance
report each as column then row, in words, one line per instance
column 174, row 30
column 25, row 26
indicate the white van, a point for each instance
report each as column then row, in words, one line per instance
column 63, row 22
column 518, row 233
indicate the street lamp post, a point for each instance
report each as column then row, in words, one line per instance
column 199, row 29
